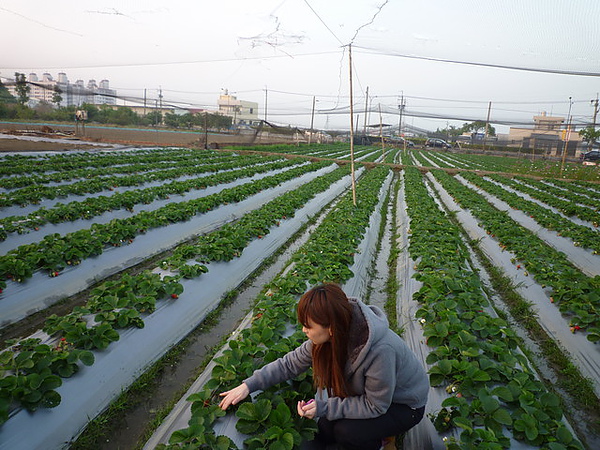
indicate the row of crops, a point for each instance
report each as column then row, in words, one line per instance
column 90, row 225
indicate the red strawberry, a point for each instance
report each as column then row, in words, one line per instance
column 175, row 296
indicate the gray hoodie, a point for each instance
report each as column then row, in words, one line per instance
column 381, row 370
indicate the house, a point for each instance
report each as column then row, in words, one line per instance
column 547, row 136
column 242, row 112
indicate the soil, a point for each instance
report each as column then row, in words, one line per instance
column 20, row 145
column 52, row 137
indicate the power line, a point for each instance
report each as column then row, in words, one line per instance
column 480, row 64
column 323, row 22
column 170, row 63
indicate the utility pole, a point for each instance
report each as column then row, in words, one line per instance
column 265, row 103
column 487, row 124
column 351, row 129
column 595, row 103
column 381, row 133
column 366, row 108
column 144, row 101
column 205, row 130
column 401, row 108
column 312, row 120
column 160, row 96
column 567, row 134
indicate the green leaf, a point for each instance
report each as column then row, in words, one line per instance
column 489, row 404
column 445, row 366
column 531, row 433
column 502, row 416
column 50, row 382
column 285, row 442
column 503, row 393
column 247, row 426
column 51, row 399
column 470, row 351
column 187, row 434
column 480, row 375
column 32, row 397
column 549, row 400
column 66, row 371
column 258, row 411
column 564, row 435
column 274, row 432
column 87, row 358
column 436, row 379
column 463, row 423
column 281, row 416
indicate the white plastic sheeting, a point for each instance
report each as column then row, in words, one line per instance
column 580, row 257
column 89, row 392
column 584, row 354
column 357, row 285
column 21, row 299
column 15, row 240
column 423, row 436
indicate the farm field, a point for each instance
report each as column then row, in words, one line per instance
column 489, row 267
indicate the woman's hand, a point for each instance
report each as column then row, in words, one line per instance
column 234, row 396
column 307, row 409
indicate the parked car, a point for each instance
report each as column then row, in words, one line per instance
column 440, row 143
column 408, row 143
column 591, row 158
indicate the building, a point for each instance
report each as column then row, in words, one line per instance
column 44, row 90
column 242, row 112
column 545, row 136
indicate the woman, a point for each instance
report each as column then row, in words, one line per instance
column 369, row 383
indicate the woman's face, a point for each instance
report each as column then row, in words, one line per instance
column 316, row 333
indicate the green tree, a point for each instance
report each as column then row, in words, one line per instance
column 589, row 134
column 172, row 120
column 56, row 97
column 22, row 88
column 478, row 127
column 24, row 112
column 5, row 96
column 122, row 116
column 152, row 118
column 94, row 114
column 450, row 131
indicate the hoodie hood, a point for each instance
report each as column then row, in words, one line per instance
column 369, row 325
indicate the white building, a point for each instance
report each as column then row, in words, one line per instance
column 242, row 112
column 72, row 94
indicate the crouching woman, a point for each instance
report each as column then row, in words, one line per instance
column 370, row 385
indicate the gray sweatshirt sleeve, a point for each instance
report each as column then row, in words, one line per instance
column 285, row 368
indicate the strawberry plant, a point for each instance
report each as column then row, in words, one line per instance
column 262, row 342
column 475, row 355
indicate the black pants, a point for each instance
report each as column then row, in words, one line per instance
column 365, row 434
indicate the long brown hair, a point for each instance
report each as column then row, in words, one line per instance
column 328, row 306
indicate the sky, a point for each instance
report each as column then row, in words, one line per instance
column 449, row 61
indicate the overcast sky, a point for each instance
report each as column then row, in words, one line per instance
column 441, row 56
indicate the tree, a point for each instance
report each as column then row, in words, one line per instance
column 589, row 134
column 56, row 97
column 449, row 131
column 171, row 120
column 475, row 127
column 5, row 96
column 22, row 88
